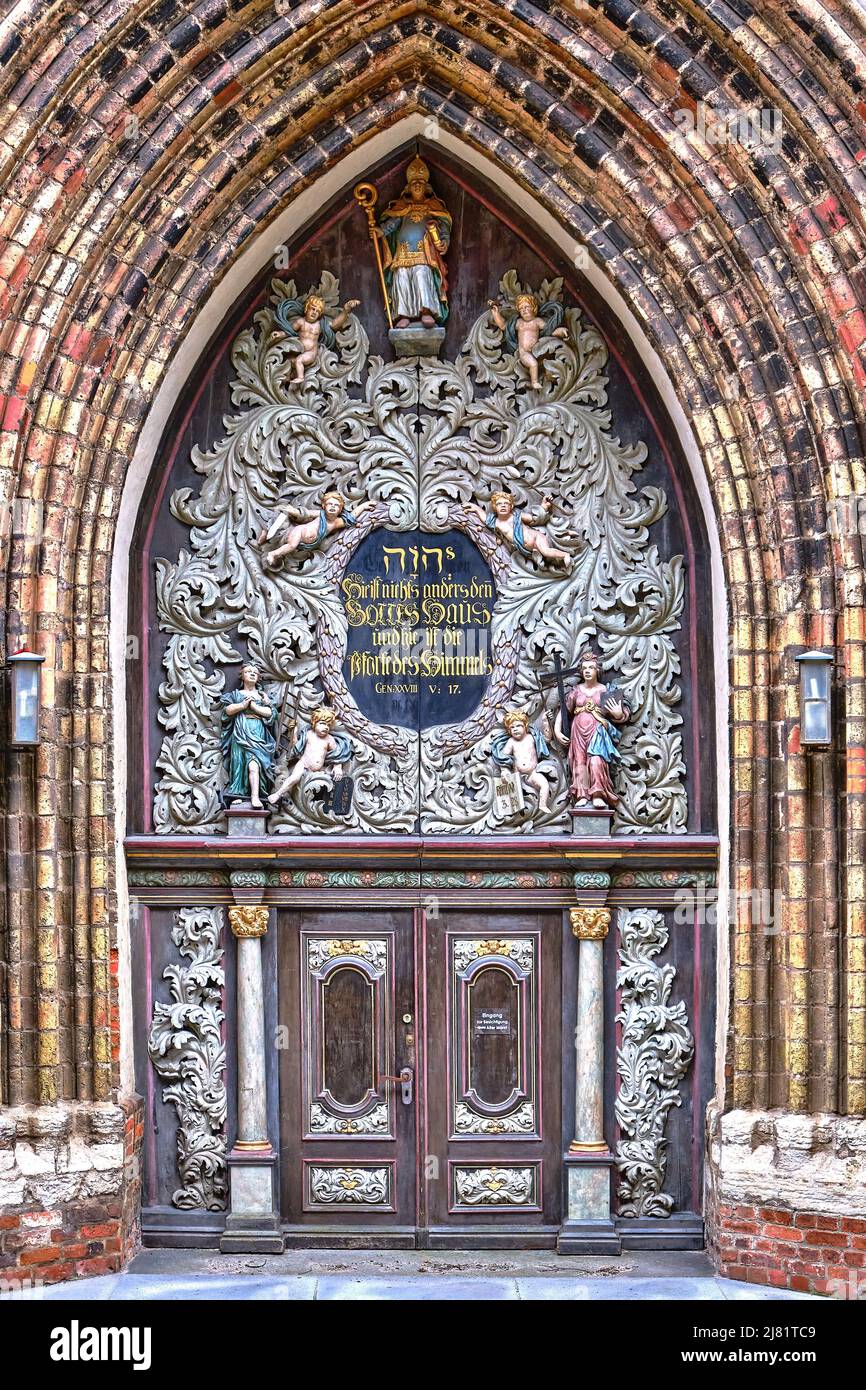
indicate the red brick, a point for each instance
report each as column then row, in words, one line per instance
column 827, row 1239
column 783, row 1233
column 105, row 1228
column 46, row 1255
column 779, row 1216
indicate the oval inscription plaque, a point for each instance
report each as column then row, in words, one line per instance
column 419, row 607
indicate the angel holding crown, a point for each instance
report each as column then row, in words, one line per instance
column 308, row 323
column 315, row 748
column 526, row 325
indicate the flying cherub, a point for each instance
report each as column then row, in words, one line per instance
column 524, row 327
column 307, row 321
column 507, row 521
column 305, row 530
column 315, row 748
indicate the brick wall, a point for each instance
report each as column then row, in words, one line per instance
column 69, row 1190
column 802, row 1250
column 786, row 1201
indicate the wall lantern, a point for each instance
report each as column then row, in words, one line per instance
column 815, row 669
column 26, row 690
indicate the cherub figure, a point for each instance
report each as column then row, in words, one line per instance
column 522, row 747
column 314, row 748
column 524, row 328
column 508, row 522
column 308, row 323
column 305, row 530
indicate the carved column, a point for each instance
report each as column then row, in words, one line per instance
column 588, row 1228
column 253, row 1223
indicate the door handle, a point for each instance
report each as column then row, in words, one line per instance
column 406, row 1081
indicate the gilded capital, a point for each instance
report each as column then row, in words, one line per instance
column 248, row 921
column 589, row 923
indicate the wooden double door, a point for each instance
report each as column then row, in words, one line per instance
column 422, row 1104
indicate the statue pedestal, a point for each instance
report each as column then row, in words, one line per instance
column 590, row 820
column 416, row 340
column 244, row 821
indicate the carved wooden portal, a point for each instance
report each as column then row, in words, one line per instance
column 417, row 448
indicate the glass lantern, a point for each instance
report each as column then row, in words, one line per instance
column 815, row 672
column 26, row 703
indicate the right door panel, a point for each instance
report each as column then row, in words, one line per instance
column 493, row 1077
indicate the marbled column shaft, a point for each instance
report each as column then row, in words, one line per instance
column 589, row 1042
column 249, row 925
column 589, row 925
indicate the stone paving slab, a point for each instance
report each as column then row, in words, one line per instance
column 403, row 1288
column 421, row 1287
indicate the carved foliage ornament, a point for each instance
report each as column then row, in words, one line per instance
column 519, row 1121
column 495, row 1187
column 652, row 1059
column 367, row 1187
column 188, row 1054
column 425, row 449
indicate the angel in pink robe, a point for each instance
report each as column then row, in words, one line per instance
column 594, row 735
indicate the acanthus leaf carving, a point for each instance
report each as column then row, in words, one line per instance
column 653, row 1056
column 188, row 1054
column 425, row 448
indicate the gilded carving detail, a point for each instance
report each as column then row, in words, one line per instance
column 368, row 1187
column 374, row 1122
column 516, row 949
column 248, row 921
column 520, row 1121
column 372, row 950
column 589, row 923
column 495, row 1187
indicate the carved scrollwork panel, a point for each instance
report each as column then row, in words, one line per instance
column 520, row 1121
column 493, row 1043
column 338, row 1185
column 503, row 1186
column 655, row 1050
column 347, row 1036
column 188, row 1054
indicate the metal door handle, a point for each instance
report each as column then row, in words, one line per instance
column 406, row 1080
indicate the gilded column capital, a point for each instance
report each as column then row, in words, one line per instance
column 589, row 923
column 248, row 921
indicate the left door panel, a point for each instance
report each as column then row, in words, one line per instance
column 347, row 989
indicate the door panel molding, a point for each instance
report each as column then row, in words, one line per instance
column 326, row 959
column 482, row 1035
column 494, row 1187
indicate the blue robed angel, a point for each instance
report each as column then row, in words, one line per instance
column 248, row 745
